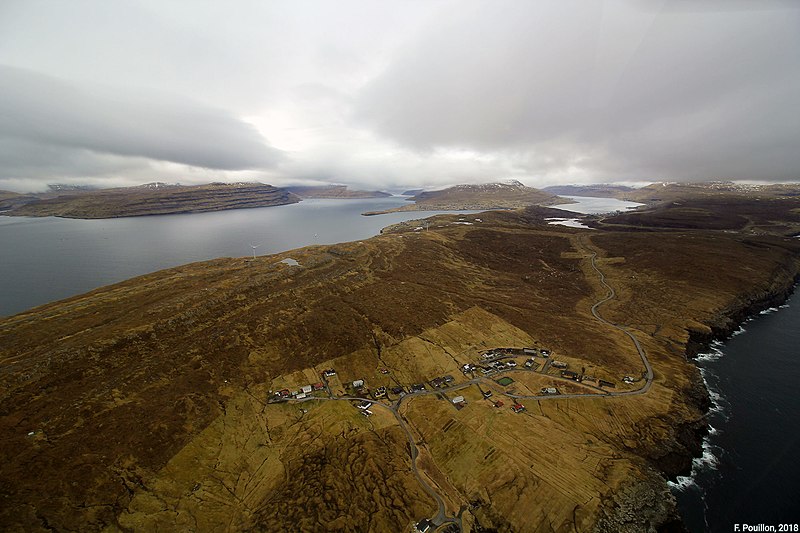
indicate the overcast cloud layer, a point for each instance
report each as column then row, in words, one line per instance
column 394, row 95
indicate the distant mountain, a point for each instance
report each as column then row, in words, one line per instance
column 665, row 192
column 508, row 195
column 334, row 191
column 154, row 199
column 59, row 187
column 10, row 200
column 412, row 192
column 600, row 190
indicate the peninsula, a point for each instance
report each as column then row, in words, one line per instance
column 149, row 199
column 509, row 195
column 494, row 372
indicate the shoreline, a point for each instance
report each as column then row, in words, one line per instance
column 701, row 342
column 648, row 490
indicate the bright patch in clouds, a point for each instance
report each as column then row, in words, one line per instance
column 398, row 95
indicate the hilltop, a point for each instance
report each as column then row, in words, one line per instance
column 150, row 199
column 508, row 195
column 334, row 191
column 601, row 190
column 664, row 192
column 177, row 400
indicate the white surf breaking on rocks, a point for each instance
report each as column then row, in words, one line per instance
column 709, row 459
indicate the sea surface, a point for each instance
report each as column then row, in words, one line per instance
column 750, row 469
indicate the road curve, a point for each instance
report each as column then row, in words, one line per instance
column 441, row 516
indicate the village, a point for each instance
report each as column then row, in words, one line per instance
column 504, row 377
column 491, row 369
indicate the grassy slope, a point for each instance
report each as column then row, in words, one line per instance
column 138, row 201
column 146, row 399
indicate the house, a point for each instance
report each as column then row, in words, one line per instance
column 284, row 393
column 398, row 390
column 366, row 412
column 438, row 382
column 306, row 389
column 318, row 386
column 380, row 392
column 424, row 525
column 628, row 380
column 417, row 387
column 384, row 371
column 487, row 394
column 357, row 384
column 449, row 379
column 569, row 374
column 529, row 351
column 511, row 364
column 499, row 403
column 466, row 369
column 364, row 405
column 328, row 373
column 529, row 363
column 458, row 399
column 517, row 407
column 300, row 396
column 549, row 390
column 558, row 364
column 545, row 353
column 604, row 383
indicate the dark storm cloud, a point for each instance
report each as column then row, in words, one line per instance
column 621, row 89
column 52, row 127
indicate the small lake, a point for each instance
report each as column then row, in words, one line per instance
column 591, row 205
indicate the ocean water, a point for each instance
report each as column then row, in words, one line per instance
column 749, row 472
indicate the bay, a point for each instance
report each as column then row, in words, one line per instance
column 48, row 259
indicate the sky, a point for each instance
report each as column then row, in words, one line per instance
column 394, row 95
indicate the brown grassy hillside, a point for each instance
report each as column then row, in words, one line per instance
column 144, row 405
column 156, row 199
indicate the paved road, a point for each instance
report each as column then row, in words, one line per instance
column 441, row 516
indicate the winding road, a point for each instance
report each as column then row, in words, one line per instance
column 441, row 517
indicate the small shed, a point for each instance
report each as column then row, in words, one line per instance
column 357, row 384
column 458, row 399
